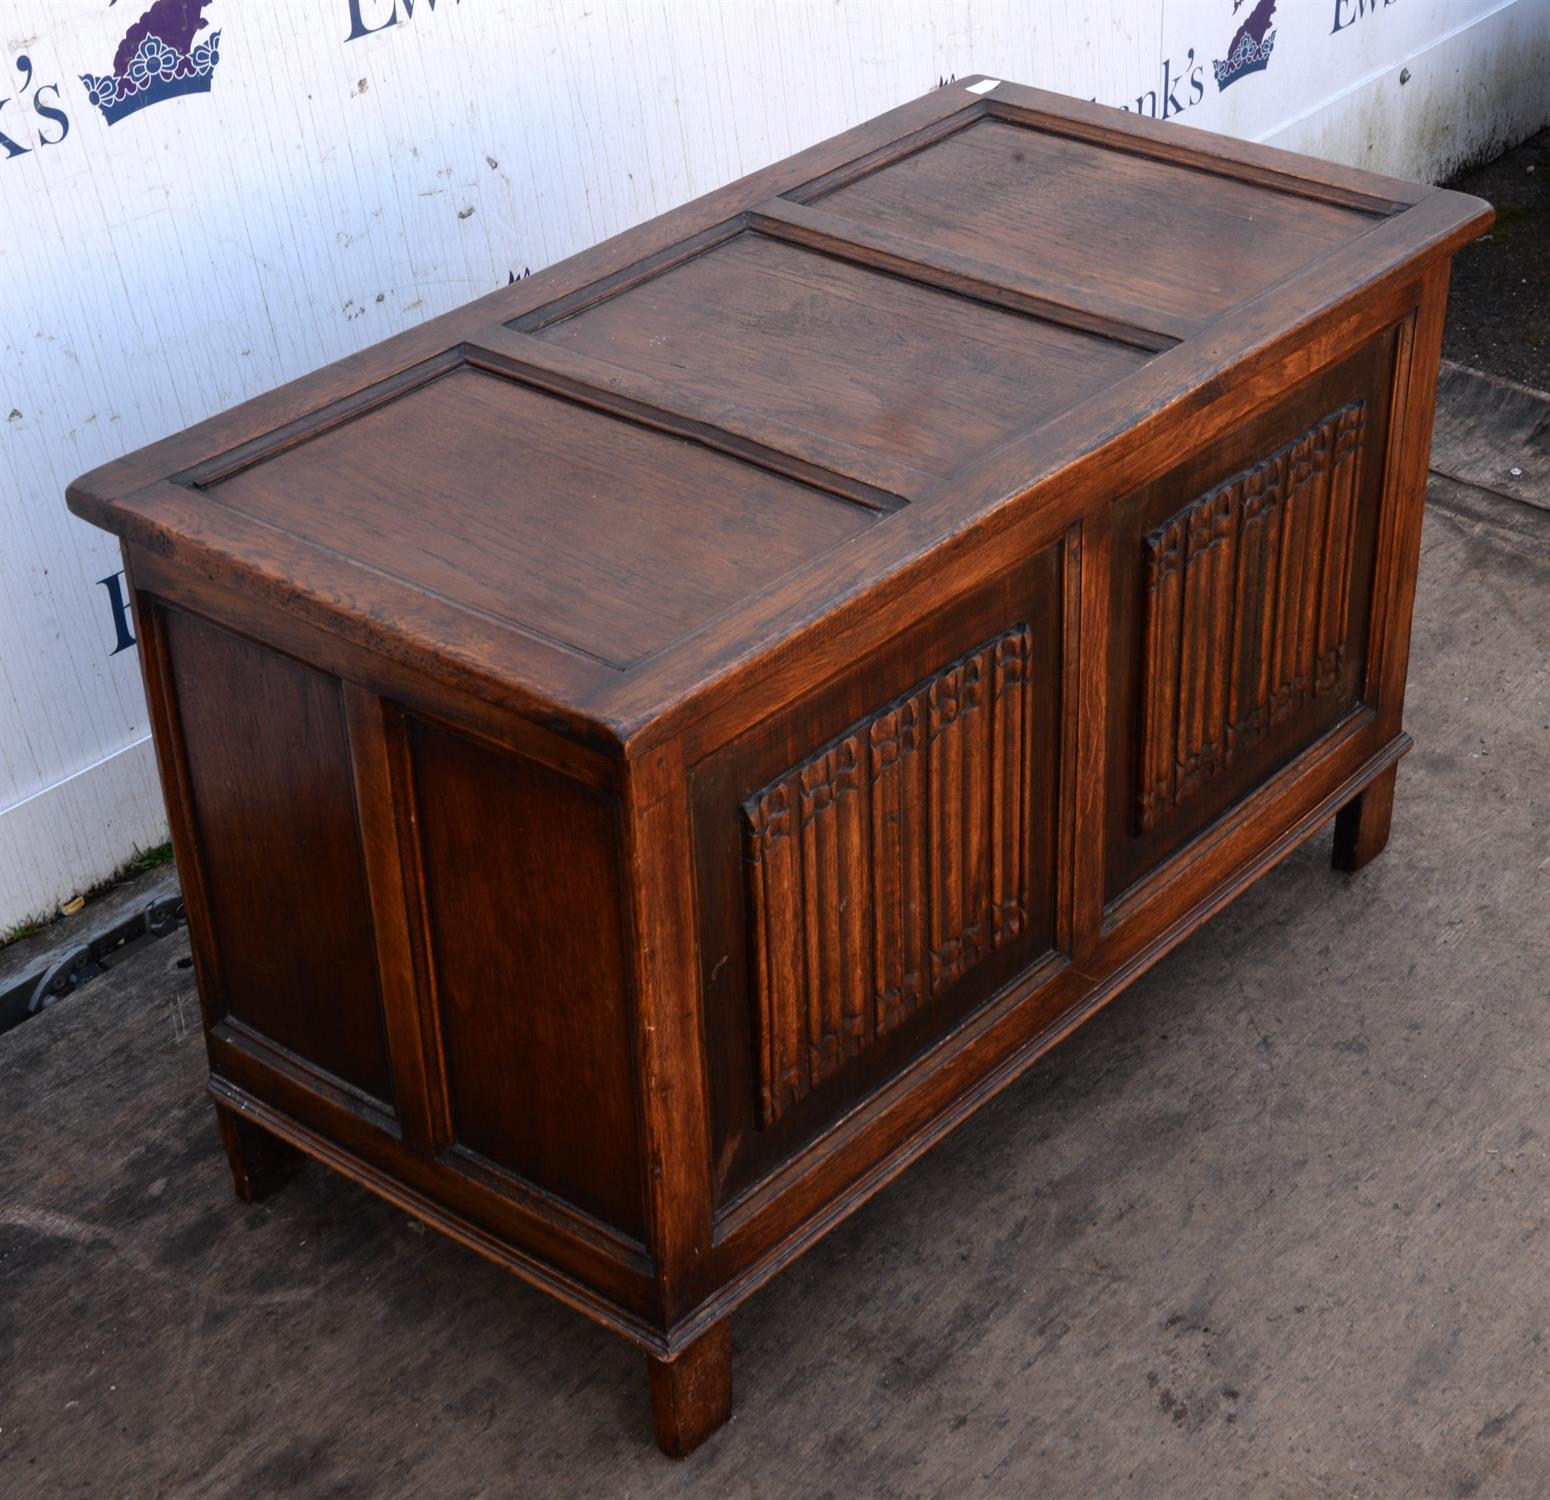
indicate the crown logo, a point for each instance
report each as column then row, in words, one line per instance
column 158, row 59
column 1249, row 51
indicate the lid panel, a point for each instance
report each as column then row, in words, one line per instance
column 626, row 495
column 1181, row 240
column 610, row 538
column 851, row 353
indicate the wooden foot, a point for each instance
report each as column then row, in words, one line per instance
column 691, row 1396
column 260, row 1162
column 1362, row 825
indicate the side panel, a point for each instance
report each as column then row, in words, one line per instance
column 520, row 872
column 435, row 1006
column 266, row 753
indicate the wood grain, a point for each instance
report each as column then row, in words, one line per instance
column 1247, row 600
column 270, row 791
column 691, row 1396
column 879, row 362
column 1245, row 577
column 887, row 865
column 437, row 488
column 1052, row 206
column 529, row 972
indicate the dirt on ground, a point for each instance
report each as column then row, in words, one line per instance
column 1499, row 313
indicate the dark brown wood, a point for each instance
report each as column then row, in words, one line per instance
column 529, row 966
column 691, row 1396
column 376, row 751
column 670, row 1023
column 920, row 807
column 1065, row 210
column 270, row 788
column 651, row 752
column 1223, row 156
column 1091, row 311
column 1362, row 825
column 260, row 1162
column 872, row 478
column 1248, row 604
column 881, row 363
column 906, row 841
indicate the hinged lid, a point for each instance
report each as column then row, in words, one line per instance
column 616, row 483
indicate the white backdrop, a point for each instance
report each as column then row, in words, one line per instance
column 336, row 170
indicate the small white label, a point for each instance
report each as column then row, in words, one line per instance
column 984, row 86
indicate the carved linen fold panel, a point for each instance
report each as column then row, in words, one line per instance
column 887, row 865
column 1247, row 594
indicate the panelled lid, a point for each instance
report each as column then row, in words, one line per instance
column 1175, row 239
column 542, row 514
column 643, row 471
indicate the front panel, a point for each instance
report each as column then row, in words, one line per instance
column 887, row 866
column 876, row 862
column 1242, row 585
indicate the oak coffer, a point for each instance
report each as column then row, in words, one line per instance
column 651, row 751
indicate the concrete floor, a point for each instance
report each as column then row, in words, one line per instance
column 1497, row 315
column 1275, row 1224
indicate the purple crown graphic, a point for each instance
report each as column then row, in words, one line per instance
column 158, row 59
column 1249, row 51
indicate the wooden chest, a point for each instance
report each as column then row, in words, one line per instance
column 650, row 752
